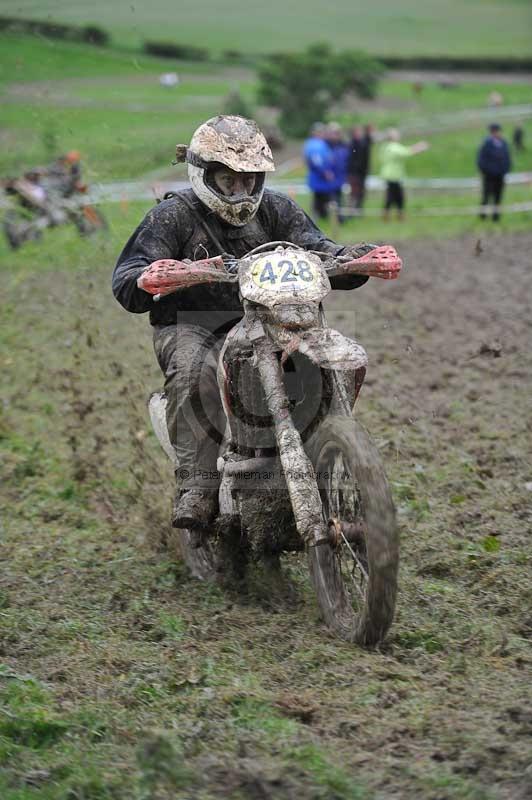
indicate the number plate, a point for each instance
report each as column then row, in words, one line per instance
column 278, row 272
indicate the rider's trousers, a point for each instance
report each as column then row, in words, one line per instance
column 188, row 356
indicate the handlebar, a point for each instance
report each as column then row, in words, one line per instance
column 272, row 245
column 381, row 262
column 167, row 275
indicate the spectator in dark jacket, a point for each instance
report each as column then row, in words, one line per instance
column 358, row 165
column 339, row 155
column 494, row 162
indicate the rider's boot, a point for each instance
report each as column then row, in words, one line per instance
column 195, row 509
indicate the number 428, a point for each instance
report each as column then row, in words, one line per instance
column 286, row 272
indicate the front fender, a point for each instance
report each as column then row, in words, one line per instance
column 326, row 347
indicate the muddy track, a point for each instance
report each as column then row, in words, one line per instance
column 163, row 684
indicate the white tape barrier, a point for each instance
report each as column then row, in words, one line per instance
column 131, row 191
column 118, row 191
column 443, row 211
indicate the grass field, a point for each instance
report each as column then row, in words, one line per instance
column 123, row 679
column 120, row 677
column 476, row 27
column 79, row 98
column 110, row 106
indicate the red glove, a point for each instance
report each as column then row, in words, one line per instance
column 167, row 275
column 381, row 262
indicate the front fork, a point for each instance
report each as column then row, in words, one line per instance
column 297, row 467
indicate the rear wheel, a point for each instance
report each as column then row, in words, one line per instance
column 354, row 570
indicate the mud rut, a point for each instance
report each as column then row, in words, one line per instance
column 264, row 702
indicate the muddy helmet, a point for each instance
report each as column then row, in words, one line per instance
column 236, row 143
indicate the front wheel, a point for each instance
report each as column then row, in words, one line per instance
column 354, row 569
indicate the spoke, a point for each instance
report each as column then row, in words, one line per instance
column 357, row 587
column 359, row 562
column 342, row 500
column 335, row 483
column 350, row 572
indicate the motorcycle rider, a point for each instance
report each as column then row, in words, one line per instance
column 65, row 174
column 226, row 210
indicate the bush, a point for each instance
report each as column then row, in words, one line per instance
column 8, row 24
column 304, row 85
column 233, row 56
column 182, row 52
column 451, row 63
column 38, row 27
column 93, row 34
column 235, row 104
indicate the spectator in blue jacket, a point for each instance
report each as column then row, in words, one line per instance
column 319, row 161
column 340, row 158
column 494, row 162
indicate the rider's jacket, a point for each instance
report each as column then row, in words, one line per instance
column 173, row 230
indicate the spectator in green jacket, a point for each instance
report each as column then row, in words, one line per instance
column 393, row 155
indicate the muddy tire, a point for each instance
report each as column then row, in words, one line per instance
column 356, row 580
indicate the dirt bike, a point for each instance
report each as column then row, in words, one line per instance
column 28, row 217
column 297, row 471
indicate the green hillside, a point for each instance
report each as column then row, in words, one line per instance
column 473, row 27
column 109, row 104
column 121, row 677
